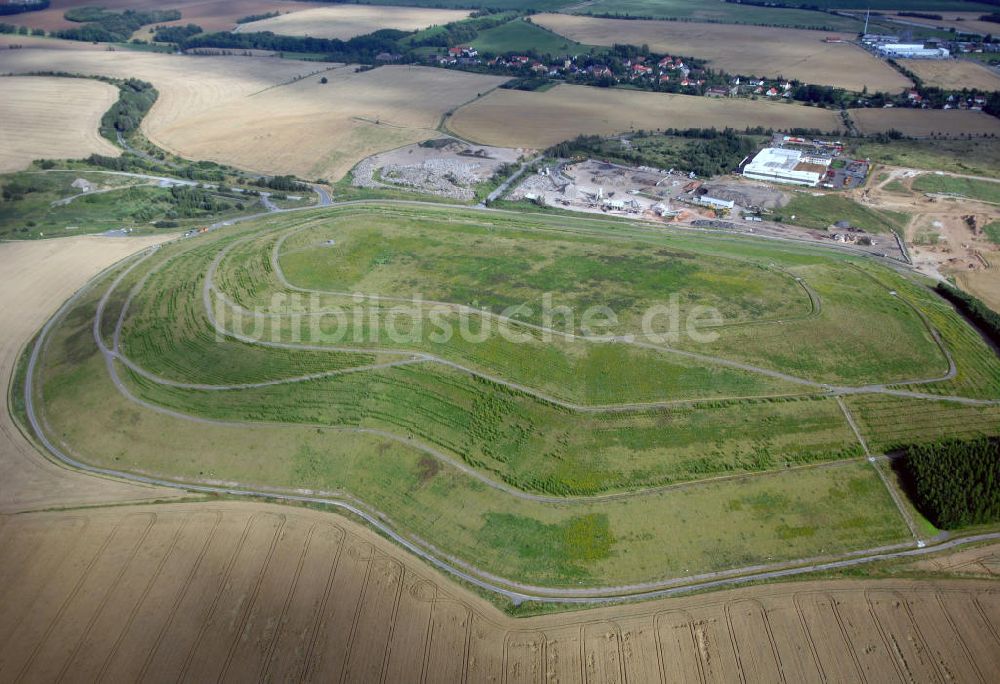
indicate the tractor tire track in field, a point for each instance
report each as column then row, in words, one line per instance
column 748, row 635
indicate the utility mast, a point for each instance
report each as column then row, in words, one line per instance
column 868, row 15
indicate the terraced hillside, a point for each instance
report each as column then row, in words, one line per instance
column 491, row 387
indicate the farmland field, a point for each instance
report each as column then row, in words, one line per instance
column 953, row 74
column 952, row 156
column 984, row 191
column 924, row 123
column 479, row 440
column 750, row 51
column 348, row 21
column 211, row 15
column 513, row 118
column 521, row 36
column 273, row 115
column 52, row 118
column 328, row 601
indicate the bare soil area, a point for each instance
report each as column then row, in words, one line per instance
column 52, row 118
column 38, row 277
column 443, row 166
column 240, row 591
column 749, row 50
column 945, row 235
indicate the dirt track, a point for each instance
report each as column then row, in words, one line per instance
column 38, row 276
column 246, row 592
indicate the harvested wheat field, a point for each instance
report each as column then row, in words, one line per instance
column 967, row 22
column 273, row 115
column 38, row 277
column 246, row 592
column 923, row 123
column 319, row 130
column 953, row 74
column 515, row 118
column 211, row 15
column 348, row 21
column 19, row 42
column 52, row 118
column 748, row 50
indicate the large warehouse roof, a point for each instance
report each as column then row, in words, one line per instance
column 782, row 166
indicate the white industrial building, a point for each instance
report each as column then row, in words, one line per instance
column 778, row 165
column 715, row 203
column 912, row 51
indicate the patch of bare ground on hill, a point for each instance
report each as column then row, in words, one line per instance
column 953, row 74
column 749, row 50
column 52, row 118
column 38, row 277
column 211, row 15
column 348, row 21
column 514, row 118
column 944, row 235
column 244, row 592
column 923, row 123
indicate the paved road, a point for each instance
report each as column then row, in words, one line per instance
column 499, row 192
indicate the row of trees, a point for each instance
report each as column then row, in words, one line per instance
column 710, row 152
column 358, row 49
column 175, row 34
column 135, row 99
column 104, row 26
column 15, row 7
column 984, row 318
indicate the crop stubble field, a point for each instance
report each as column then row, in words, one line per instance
column 953, row 73
column 211, row 15
column 924, row 123
column 463, row 459
column 515, row 118
column 51, row 118
column 348, row 21
column 750, row 50
column 241, row 591
column 288, row 122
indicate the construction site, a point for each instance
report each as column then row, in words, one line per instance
column 445, row 167
column 602, row 187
